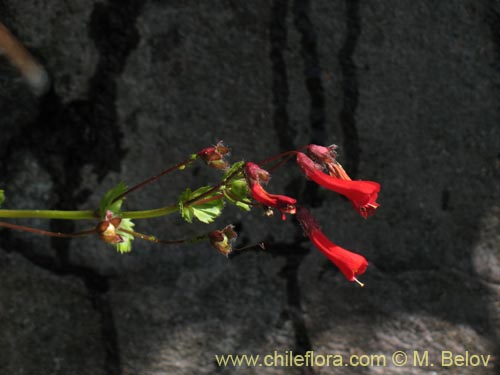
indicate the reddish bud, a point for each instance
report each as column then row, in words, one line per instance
column 256, row 174
column 323, row 154
column 214, row 156
column 327, row 156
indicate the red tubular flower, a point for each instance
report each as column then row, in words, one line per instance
column 283, row 203
column 362, row 194
column 349, row 263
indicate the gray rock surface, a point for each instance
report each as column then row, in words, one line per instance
column 410, row 92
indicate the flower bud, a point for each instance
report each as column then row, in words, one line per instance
column 107, row 229
column 223, row 239
column 107, row 232
column 323, row 154
column 214, row 156
column 255, row 174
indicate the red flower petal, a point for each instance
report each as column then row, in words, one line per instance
column 362, row 194
column 254, row 175
column 349, row 263
column 283, row 203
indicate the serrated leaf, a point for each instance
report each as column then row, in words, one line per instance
column 108, row 198
column 2, row 197
column 123, row 247
column 185, row 212
column 126, row 245
column 205, row 212
column 237, row 192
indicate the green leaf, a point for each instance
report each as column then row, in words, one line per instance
column 237, row 193
column 126, row 245
column 205, row 212
column 2, row 197
column 107, row 201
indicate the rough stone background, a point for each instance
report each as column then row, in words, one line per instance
column 409, row 90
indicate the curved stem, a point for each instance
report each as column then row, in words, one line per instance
column 277, row 165
column 46, row 233
column 181, row 165
column 49, row 214
column 287, row 154
column 150, row 238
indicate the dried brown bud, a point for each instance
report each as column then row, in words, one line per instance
column 107, row 229
column 223, row 239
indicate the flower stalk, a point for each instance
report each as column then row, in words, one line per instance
column 45, row 232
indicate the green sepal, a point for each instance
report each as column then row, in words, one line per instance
column 126, row 245
column 237, row 193
column 233, row 169
column 2, row 197
column 236, row 189
column 204, row 212
column 107, row 203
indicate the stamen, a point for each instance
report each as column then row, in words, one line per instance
column 359, row 282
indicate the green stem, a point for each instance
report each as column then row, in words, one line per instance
column 92, row 215
column 148, row 214
column 49, row 214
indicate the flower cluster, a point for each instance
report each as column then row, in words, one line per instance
column 242, row 185
column 320, row 166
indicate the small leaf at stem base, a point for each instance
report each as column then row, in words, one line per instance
column 126, row 245
column 206, row 211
